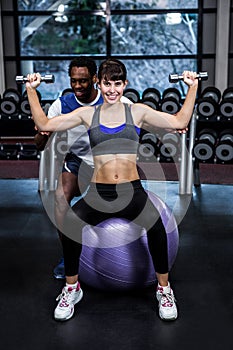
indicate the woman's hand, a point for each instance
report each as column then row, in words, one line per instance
column 34, row 80
column 190, row 78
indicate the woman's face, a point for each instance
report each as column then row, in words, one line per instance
column 112, row 90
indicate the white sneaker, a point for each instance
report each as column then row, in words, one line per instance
column 67, row 299
column 167, row 303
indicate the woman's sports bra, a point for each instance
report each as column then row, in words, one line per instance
column 120, row 140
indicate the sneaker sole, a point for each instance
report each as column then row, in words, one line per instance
column 168, row 318
column 72, row 312
column 59, row 277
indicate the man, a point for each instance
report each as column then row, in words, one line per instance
column 83, row 78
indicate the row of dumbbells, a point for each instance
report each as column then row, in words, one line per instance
column 170, row 101
column 212, row 146
column 13, row 105
column 159, row 148
column 211, row 105
column 214, row 105
column 18, row 151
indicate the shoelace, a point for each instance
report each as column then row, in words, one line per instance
column 167, row 300
column 64, row 296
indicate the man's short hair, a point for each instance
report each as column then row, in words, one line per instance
column 83, row 61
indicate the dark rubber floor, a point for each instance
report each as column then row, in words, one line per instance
column 202, row 278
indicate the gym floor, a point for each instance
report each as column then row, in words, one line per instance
column 202, row 278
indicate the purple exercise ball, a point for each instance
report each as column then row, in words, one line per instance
column 115, row 254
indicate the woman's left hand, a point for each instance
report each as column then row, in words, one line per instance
column 182, row 131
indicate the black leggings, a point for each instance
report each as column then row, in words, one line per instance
column 127, row 200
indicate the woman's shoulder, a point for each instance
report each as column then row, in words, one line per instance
column 138, row 107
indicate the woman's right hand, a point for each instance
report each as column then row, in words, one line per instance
column 34, row 80
column 190, row 78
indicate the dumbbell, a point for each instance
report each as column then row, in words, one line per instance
column 148, row 146
column 151, row 93
column 208, row 103
column 212, row 92
column 28, row 151
column 170, row 102
column 48, row 79
column 169, row 147
column 203, row 149
column 151, row 97
column 132, row 94
column 174, row 78
column 224, row 148
column 224, row 152
column 12, row 94
column 226, row 105
column 10, row 103
column 208, row 134
column 9, row 151
column 226, row 135
column 24, row 106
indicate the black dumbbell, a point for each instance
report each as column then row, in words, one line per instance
column 224, row 152
column 151, row 93
column 48, row 79
column 209, row 135
column 203, row 149
column 226, row 105
column 169, row 147
column 170, row 102
column 132, row 94
column 174, row 78
column 212, row 92
column 224, row 147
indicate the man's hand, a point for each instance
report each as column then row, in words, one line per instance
column 41, row 140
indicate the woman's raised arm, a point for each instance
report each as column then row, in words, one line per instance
column 181, row 119
column 62, row 122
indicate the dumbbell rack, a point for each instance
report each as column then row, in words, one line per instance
column 189, row 167
column 19, row 156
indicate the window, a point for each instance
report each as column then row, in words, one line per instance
column 152, row 37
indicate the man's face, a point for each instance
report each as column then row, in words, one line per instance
column 82, row 84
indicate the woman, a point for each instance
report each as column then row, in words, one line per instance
column 115, row 188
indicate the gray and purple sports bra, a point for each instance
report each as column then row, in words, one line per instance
column 122, row 139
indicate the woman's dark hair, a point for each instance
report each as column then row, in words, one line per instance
column 83, row 61
column 112, row 69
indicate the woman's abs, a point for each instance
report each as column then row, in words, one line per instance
column 115, row 168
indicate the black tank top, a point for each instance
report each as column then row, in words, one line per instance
column 121, row 142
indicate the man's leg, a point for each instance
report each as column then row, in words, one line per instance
column 67, row 189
